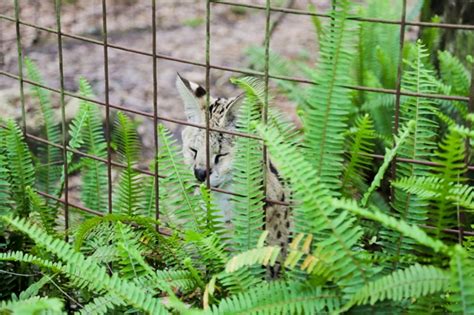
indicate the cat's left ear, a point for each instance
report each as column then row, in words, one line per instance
column 193, row 96
column 231, row 114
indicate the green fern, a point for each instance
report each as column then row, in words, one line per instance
column 418, row 147
column 325, row 119
column 443, row 189
column 413, row 282
column 33, row 305
column 334, row 231
column 47, row 214
column 389, row 155
column 86, row 272
column 6, row 201
column 247, row 207
column 462, row 268
column 89, row 125
column 408, row 230
column 21, row 170
column 280, row 298
column 102, row 305
column 181, row 205
column 360, row 147
column 128, row 196
column 50, row 159
column 454, row 74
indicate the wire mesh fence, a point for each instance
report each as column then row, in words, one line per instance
column 156, row 115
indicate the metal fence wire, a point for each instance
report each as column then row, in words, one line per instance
column 156, row 116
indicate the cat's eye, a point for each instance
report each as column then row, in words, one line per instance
column 218, row 156
column 194, row 151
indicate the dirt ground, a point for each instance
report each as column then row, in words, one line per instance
column 180, row 34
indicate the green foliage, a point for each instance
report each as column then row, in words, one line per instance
column 33, row 305
column 280, row 298
column 417, row 147
column 49, row 166
column 389, row 155
column 20, row 167
column 248, row 214
column 85, row 271
column 360, row 147
column 181, row 205
column 329, row 103
column 443, row 189
column 416, row 280
column 129, row 196
column 88, row 129
column 462, row 268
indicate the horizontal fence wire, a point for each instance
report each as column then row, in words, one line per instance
column 241, row 71
column 186, row 123
column 359, row 19
column 398, row 92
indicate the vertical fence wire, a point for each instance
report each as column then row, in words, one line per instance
column 155, row 113
column 107, row 104
column 396, row 120
column 265, row 105
column 460, row 214
column 20, row 64
column 208, row 91
column 58, row 6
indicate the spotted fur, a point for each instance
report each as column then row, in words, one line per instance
column 223, row 115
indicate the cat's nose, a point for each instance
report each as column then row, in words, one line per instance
column 200, row 174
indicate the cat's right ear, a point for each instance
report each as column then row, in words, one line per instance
column 192, row 95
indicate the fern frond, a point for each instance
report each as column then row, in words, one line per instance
column 48, row 169
column 360, row 147
column 413, row 282
column 314, row 213
column 129, row 252
column 182, row 205
column 21, row 170
column 453, row 73
column 408, row 230
column 247, row 174
column 265, row 256
column 47, row 214
column 419, row 146
column 87, row 226
column 325, row 119
column 210, row 249
column 86, row 272
column 462, row 269
column 34, row 288
column 444, row 189
column 101, row 305
column 214, row 221
column 179, row 279
column 94, row 177
column 128, row 195
column 6, row 201
column 32, row 305
column 280, row 298
column 389, row 155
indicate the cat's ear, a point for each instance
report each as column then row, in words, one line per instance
column 231, row 114
column 192, row 95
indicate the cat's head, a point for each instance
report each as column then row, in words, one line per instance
column 222, row 115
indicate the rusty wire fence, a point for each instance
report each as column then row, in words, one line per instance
column 208, row 66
